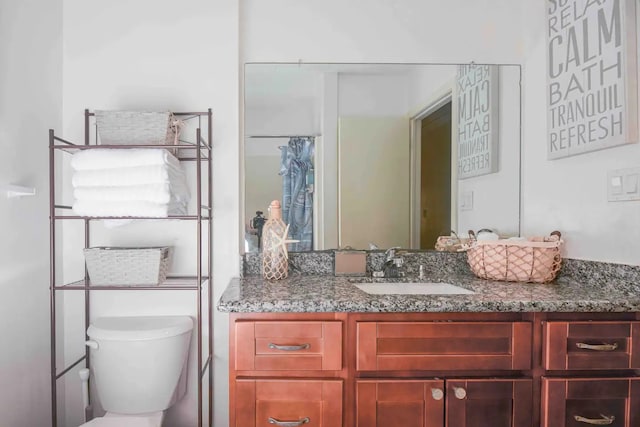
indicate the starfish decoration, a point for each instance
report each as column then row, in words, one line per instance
column 281, row 241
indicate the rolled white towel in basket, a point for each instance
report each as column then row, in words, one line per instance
column 128, row 209
column 154, row 193
column 111, row 158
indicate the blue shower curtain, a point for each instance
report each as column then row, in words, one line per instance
column 296, row 169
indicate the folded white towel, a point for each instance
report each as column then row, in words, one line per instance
column 128, row 176
column 110, row 158
column 133, row 208
column 155, row 193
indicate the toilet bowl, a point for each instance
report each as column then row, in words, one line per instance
column 139, row 367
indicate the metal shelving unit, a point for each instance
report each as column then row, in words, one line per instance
column 198, row 152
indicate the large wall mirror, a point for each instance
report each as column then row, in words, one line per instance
column 381, row 154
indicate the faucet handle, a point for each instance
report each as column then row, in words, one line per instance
column 391, row 252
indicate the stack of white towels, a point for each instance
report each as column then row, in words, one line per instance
column 128, row 183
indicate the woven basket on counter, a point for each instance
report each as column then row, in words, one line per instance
column 535, row 260
column 137, row 127
column 127, row 266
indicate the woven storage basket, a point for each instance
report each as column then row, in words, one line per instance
column 127, row 266
column 535, row 260
column 137, row 127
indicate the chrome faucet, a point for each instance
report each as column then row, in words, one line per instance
column 392, row 264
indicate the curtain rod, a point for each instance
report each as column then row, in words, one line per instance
column 280, row 136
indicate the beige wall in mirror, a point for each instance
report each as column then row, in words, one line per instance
column 381, row 154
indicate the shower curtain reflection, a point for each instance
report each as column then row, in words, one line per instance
column 296, row 169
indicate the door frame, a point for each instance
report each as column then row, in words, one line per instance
column 440, row 97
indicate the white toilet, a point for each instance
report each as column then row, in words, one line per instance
column 139, row 366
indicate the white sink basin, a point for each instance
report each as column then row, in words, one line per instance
column 399, row 288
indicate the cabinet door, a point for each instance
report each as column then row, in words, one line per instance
column 288, row 403
column 591, row 345
column 441, row 346
column 491, row 402
column 582, row 402
column 399, row 403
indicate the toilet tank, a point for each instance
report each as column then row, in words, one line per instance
column 138, row 362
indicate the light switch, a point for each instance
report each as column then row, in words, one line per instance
column 616, row 184
column 623, row 185
column 631, row 183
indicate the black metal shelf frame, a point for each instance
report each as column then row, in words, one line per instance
column 201, row 152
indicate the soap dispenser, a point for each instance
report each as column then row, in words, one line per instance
column 274, row 249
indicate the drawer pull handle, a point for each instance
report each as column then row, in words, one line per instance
column 597, row 347
column 289, row 347
column 604, row 421
column 437, row 394
column 305, row 420
column 459, row 392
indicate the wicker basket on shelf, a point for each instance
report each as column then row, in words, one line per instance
column 137, row 127
column 535, row 260
column 127, row 266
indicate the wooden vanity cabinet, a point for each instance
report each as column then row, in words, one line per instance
column 434, row 369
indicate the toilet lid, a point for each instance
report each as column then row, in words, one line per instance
column 122, row 422
column 139, row 328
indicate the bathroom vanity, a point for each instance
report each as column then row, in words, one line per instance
column 318, row 351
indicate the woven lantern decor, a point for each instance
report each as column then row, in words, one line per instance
column 275, row 258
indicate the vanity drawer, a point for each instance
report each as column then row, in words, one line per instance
column 443, row 346
column 590, row 401
column 268, row 403
column 591, row 345
column 288, row 346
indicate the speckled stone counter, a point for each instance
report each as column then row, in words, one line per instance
column 302, row 293
column 581, row 286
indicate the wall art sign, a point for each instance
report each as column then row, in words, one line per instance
column 477, row 130
column 592, row 83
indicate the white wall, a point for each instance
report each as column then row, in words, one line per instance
column 31, row 103
column 156, row 54
column 570, row 194
column 381, row 31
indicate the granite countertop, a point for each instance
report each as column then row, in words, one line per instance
column 323, row 293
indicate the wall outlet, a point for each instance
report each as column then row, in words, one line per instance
column 623, row 185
